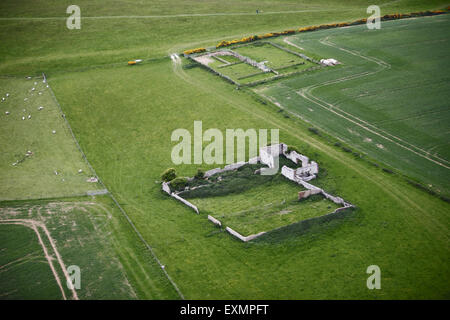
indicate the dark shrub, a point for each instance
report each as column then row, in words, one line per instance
column 200, row 174
column 346, row 149
column 179, row 183
column 169, row 175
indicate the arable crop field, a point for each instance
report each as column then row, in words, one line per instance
column 377, row 125
column 387, row 99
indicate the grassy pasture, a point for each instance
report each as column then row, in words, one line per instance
column 230, row 59
column 123, row 118
column 51, row 47
column 135, row 148
column 275, row 57
column 402, row 97
column 239, row 70
column 33, row 176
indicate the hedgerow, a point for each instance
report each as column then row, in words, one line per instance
column 197, row 50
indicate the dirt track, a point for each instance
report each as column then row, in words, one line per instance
column 34, row 225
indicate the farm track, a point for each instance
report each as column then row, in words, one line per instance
column 34, row 225
column 306, row 93
column 182, row 15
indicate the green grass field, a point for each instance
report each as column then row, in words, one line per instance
column 251, row 203
column 236, row 71
column 282, row 62
column 263, row 209
column 390, row 211
column 25, row 273
column 123, row 118
column 275, row 57
column 90, row 233
column 34, row 176
column 388, row 99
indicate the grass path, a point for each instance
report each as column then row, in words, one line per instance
column 181, row 15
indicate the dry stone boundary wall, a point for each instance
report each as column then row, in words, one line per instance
column 267, row 155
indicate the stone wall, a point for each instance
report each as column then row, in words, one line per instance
column 234, row 166
column 228, row 167
column 241, row 237
column 185, row 202
column 306, row 193
column 288, row 173
column 301, row 175
column 268, row 153
column 166, row 188
column 296, row 157
column 214, row 220
column 308, row 170
column 211, row 172
column 336, row 200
